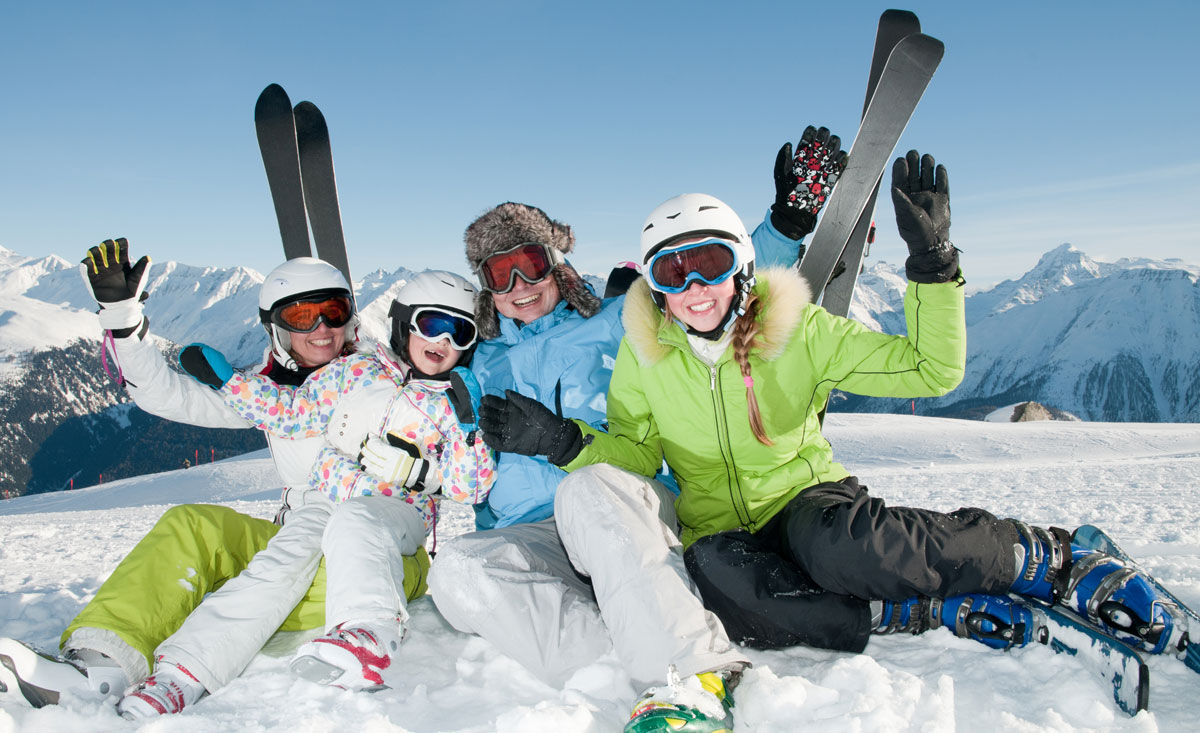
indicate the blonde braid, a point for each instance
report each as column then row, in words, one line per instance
column 744, row 331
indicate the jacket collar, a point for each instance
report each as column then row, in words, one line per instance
column 511, row 333
column 783, row 294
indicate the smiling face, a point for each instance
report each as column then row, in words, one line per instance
column 702, row 307
column 431, row 357
column 318, row 347
column 527, row 303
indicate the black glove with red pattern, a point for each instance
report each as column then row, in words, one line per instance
column 804, row 180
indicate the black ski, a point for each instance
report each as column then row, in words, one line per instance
column 905, row 76
column 894, row 25
column 276, row 130
column 320, row 186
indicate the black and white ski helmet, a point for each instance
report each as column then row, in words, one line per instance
column 299, row 279
column 439, row 289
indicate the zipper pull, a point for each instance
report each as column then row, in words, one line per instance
column 712, row 371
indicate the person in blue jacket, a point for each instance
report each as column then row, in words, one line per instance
column 546, row 335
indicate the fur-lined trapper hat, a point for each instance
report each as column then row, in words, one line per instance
column 508, row 225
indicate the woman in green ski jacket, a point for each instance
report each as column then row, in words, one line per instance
column 724, row 375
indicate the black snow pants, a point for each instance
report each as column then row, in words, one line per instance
column 807, row 575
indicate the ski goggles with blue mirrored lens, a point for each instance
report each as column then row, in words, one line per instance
column 434, row 324
column 531, row 261
column 709, row 261
column 305, row 316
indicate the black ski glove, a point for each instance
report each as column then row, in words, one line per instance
column 464, row 395
column 517, row 424
column 109, row 276
column 804, row 181
column 921, row 197
column 117, row 287
column 206, row 365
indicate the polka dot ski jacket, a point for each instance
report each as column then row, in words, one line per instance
column 368, row 394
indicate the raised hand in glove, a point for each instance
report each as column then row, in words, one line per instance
column 118, row 287
column 397, row 461
column 921, row 197
column 515, row 423
column 804, row 181
column 206, row 365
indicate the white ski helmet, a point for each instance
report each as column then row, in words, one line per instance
column 294, row 280
column 440, row 290
column 692, row 215
column 696, row 215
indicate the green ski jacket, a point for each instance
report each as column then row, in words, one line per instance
column 665, row 402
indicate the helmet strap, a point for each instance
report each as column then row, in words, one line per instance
column 279, row 349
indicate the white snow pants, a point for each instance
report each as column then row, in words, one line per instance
column 512, row 587
column 364, row 541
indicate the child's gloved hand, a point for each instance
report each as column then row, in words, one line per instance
column 397, row 461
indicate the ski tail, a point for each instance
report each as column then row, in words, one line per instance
column 907, row 73
column 320, row 186
column 276, row 131
column 894, row 26
column 1113, row 660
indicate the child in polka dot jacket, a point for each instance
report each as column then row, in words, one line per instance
column 399, row 430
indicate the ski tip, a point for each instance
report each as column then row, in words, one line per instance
column 272, row 99
column 309, row 109
column 921, row 45
column 894, row 15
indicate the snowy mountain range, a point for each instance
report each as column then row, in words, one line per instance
column 1116, row 342
column 1104, row 341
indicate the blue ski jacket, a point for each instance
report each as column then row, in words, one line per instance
column 565, row 361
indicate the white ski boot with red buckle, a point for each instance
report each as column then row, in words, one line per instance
column 168, row 691
column 354, row 656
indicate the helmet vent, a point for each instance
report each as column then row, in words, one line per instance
column 705, row 208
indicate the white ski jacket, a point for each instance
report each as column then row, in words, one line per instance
column 162, row 391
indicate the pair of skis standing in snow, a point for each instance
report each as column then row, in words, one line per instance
column 700, row 269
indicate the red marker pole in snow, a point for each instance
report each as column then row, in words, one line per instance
column 212, row 455
column 197, row 463
column 914, row 407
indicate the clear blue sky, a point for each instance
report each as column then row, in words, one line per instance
column 1065, row 121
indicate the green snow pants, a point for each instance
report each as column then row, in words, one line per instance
column 191, row 551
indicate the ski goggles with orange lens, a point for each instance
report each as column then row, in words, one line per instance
column 304, row 316
column 710, row 261
column 531, row 261
column 434, row 324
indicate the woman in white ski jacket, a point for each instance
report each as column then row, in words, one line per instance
column 398, row 413
column 195, row 549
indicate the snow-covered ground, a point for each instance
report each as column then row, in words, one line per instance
column 1139, row 481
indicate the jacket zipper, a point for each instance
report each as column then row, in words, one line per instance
column 735, row 489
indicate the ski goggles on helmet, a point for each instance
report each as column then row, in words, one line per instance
column 710, row 261
column 304, row 316
column 531, row 261
column 436, row 324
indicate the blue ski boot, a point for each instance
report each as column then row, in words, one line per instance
column 1099, row 587
column 995, row 621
